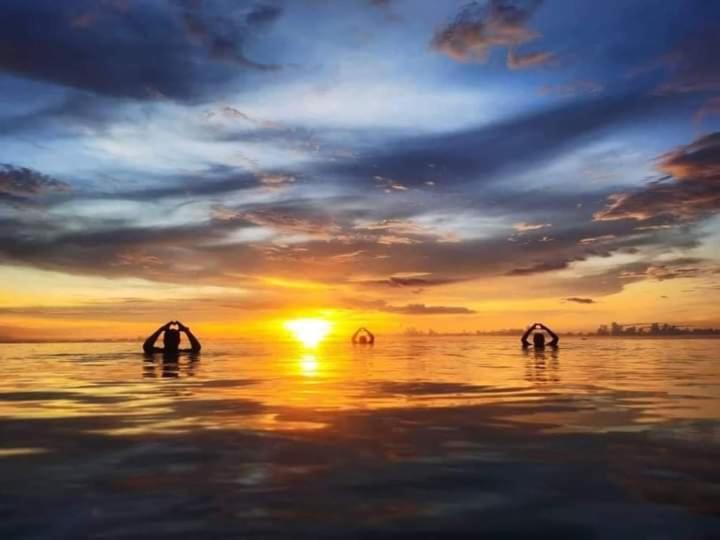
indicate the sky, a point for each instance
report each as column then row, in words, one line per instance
column 389, row 163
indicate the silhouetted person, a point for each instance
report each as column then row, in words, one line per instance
column 539, row 337
column 363, row 336
column 171, row 340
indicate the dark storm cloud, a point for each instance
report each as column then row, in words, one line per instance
column 478, row 154
column 691, row 191
column 140, row 52
column 478, row 28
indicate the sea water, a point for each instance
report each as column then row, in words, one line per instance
column 412, row 438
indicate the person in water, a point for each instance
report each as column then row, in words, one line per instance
column 171, row 340
column 363, row 336
column 539, row 337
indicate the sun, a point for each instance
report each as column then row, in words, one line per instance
column 309, row 331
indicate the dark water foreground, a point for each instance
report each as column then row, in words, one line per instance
column 443, row 438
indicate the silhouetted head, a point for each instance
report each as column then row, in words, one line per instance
column 539, row 339
column 171, row 339
column 362, row 339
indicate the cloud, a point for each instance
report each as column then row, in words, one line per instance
column 524, row 227
column 21, row 182
column 294, row 218
column 232, row 113
column 540, row 267
column 412, row 281
column 572, row 88
column 597, row 239
column 219, row 180
column 699, row 160
column 77, row 112
column 276, row 181
column 410, row 309
column 579, row 300
column 481, row 153
column 263, row 14
column 679, row 268
column 399, row 231
column 693, row 66
column 317, row 241
column 223, row 42
column 422, row 309
column 709, row 108
column 478, row 29
column 389, row 185
column 693, row 192
column 150, row 56
column 517, row 60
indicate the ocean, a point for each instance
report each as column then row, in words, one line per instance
column 467, row 437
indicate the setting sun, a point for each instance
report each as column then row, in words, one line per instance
column 309, row 331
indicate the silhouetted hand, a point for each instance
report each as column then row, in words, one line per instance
column 181, row 326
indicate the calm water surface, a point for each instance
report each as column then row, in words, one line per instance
column 416, row 438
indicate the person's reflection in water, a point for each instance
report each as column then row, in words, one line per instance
column 171, row 340
column 363, row 336
column 537, row 367
column 170, row 366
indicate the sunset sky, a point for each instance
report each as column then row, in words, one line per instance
column 390, row 163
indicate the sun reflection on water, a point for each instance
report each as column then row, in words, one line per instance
column 309, row 365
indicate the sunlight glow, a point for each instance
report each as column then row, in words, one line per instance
column 309, row 331
column 308, row 365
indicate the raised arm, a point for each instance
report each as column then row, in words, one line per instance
column 356, row 334
column 553, row 335
column 371, row 336
column 194, row 343
column 149, row 345
column 524, row 338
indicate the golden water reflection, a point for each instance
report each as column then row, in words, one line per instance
column 620, row 382
column 309, row 365
column 433, row 432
